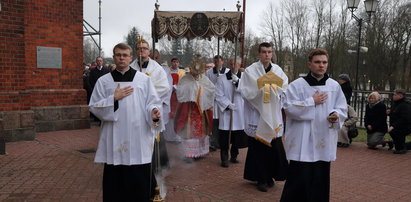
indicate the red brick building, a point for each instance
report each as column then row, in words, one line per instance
column 34, row 98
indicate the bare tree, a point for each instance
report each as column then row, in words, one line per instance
column 319, row 7
column 273, row 26
column 90, row 50
column 296, row 18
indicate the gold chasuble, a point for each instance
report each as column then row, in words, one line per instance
column 263, row 91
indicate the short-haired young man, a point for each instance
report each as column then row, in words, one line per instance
column 315, row 109
column 128, row 106
column 263, row 119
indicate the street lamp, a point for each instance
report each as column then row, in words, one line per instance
column 370, row 8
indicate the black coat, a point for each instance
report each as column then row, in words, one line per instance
column 347, row 90
column 376, row 117
column 95, row 74
column 400, row 117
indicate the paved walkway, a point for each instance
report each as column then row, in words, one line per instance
column 51, row 168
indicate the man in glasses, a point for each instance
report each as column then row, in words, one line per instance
column 151, row 68
column 121, row 99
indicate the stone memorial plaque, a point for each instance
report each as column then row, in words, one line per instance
column 48, row 57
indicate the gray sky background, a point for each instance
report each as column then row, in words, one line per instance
column 119, row 16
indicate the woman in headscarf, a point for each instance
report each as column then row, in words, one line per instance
column 376, row 121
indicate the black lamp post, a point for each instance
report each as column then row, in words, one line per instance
column 370, row 8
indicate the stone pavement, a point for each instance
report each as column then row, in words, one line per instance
column 52, row 168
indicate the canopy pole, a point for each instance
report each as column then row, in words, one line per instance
column 243, row 37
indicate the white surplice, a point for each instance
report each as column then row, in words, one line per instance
column 270, row 123
column 224, row 95
column 213, row 78
column 188, row 90
column 309, row 137
column 127, row 134
column 160, row 81
column 166, row 101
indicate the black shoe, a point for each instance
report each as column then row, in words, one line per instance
column 373, row 148
column 345, row 145
column 224, row 164
column 234, row 160
column 339, row 144
column 400, row 151
column 390, row 145
column 188, row 160
column 270, row 183
column 212, row 148
column 262, row 187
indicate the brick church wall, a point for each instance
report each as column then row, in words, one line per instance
column 25, row 25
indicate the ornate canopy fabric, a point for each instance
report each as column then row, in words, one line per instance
column 182, row 24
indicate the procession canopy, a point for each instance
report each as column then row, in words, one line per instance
column 184, row 24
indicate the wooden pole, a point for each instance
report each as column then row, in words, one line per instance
column 243, row 36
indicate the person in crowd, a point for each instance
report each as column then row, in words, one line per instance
column 112, row 67
column 375, row 121
column 192, row 122
column 93, row 65
column 400, row 120
column 97, row 72
column 343, row 138
column 209, row 66
column 143, row 63
column 315, row 109
column 177, row 74
column 262, row 86
column 344, row 81
column 86, row 82
column 128, row 106
column 150, row 67
column 213, row 75
column 231, row 114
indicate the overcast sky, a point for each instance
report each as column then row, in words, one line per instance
column 119, row 16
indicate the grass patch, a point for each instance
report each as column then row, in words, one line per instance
column 362, row 136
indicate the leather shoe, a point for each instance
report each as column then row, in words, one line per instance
column 390, row 145
column 234, row 160
column 224, row 164
column 188, row 160
column 270, row 183
column 400, row 151
column 262, row 187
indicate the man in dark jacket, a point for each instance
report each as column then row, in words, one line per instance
column 95, row 74
column 400, row 120
column 344, row 81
